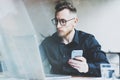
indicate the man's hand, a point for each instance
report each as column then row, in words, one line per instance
column 79, row 63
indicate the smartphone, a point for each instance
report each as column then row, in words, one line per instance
column 76, row 53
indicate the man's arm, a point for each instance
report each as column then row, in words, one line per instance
column 90, row 63
column 95, row 56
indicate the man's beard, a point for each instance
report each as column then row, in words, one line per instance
column 64, row 34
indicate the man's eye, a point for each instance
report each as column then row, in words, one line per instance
column 63, row 21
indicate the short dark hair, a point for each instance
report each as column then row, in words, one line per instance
column 63, row 4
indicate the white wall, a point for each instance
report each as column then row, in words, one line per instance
column 14, row 18
column 41, row 12
column 101, row 18
column 98, row 17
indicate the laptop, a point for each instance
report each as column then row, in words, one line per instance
column 21, row 59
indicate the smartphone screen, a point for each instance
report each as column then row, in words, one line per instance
column 76, row 53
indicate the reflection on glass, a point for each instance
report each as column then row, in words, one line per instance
column 21, row 57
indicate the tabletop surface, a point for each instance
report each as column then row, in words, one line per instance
column 72, row 78
column 66, row 78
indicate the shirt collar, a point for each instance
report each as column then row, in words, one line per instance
column 76, row 37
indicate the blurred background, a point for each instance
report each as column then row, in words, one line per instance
column 98, row 17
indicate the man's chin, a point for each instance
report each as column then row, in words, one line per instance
column 61, row 35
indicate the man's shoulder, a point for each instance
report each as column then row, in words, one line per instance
column 50, row 39
column 88, row 39
column 84, row 34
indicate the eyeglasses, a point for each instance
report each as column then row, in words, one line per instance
column 61, row 21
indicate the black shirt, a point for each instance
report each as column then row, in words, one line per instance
column 58, row 53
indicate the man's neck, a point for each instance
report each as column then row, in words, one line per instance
column 67, row 39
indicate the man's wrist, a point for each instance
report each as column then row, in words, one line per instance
column 87, row 68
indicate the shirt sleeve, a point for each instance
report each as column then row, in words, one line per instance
column 95, row 56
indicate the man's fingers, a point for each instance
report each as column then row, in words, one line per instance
column 77, row 67
column 80, row 66
column 80, row 59
column 73, row 61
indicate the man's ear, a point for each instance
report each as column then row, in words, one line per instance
column 76, row 20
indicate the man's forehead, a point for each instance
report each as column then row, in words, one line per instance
column 64, row 14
